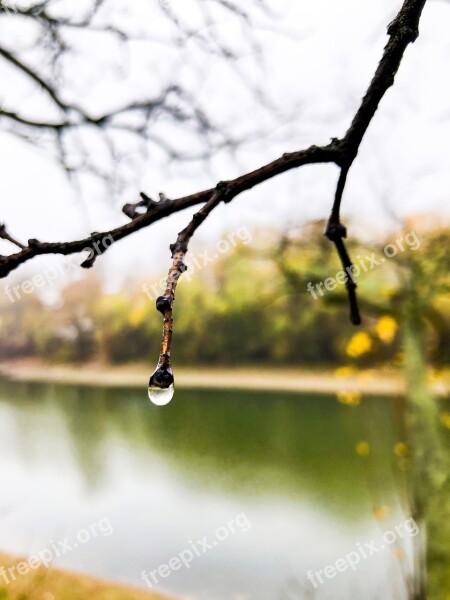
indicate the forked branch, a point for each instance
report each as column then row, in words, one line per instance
column 403, row 30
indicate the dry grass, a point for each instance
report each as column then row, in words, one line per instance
column 58, row 584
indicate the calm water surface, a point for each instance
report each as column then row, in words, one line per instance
column 282, row 468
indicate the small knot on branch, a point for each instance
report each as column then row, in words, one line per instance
column 133, row 210
column 95, row 250
column 146, row 201
column 178, row 247
column 337, row 146
column 223, row 188
column 163, row 304
column 198, row 218
column 401, row 29
column 335, row 230
column 130, row 211
column 33, row 243
column 4, row 235
column 90, row 260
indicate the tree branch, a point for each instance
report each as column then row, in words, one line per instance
column 342, row 152
column 34, row 76
column 4, row 235
column 71, row 121
column 164, row 303
column 159, row 210
column 403, row 31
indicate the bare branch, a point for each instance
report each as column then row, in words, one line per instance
column 403, row 31
column 179, row 250
column 33, row 75
column 57, row 34
column 4, row 235
column 342, row 152
column 159, row 210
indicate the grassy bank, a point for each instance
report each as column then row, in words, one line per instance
column 386, row 382
column 59, row 584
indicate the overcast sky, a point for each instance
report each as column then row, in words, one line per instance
column 318, row 58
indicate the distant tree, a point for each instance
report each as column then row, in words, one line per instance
column 54, row 33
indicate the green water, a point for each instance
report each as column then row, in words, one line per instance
column 164, row 477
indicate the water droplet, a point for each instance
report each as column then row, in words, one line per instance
column 160, row 386
column 160, row 396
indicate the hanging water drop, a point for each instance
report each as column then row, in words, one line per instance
column 160, row 396
column 160, row 386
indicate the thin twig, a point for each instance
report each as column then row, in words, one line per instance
column 179, row 250
column 342, row 152
column 403, row 31
column 159, row 210
column 4, row 235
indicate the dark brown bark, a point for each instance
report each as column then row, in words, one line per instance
column 402, row 31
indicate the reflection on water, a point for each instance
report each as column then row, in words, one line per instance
column 166, row 477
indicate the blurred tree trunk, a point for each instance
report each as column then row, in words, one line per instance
column 422, row 421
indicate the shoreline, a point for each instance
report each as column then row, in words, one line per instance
column 60, row 582
column 370, row 382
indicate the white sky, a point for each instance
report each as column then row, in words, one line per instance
column 318, row 72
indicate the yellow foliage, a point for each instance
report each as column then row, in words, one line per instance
column 401, row 449
column 387, row 292
column 436, row 376
column 360, row 343
column 363, row 449
column 346, row 371
column 386, row 328
column 349, row 398
column 381, row 512
column 445, row 420
column 138, row 315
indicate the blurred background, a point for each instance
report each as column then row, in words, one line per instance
column 323, row 435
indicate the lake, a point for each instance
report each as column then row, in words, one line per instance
column 225, row 495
